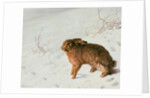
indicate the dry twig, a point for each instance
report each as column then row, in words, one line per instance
column 109, row 22
column 37, row 41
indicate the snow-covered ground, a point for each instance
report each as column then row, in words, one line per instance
column 45, row 65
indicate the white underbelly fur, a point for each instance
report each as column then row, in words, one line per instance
column 100, row 67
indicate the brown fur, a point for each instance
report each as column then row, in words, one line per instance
column 80, row 52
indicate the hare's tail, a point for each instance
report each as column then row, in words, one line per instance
column 114, row 63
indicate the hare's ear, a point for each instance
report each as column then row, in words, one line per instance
column 80, row 42
column 84, row 42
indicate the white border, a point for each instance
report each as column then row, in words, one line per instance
column 131, row 49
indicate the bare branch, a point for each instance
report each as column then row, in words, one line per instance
column 37, row 41
column 111, row 21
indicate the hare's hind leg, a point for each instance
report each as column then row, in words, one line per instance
column 105, row 71
column 93, row 69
